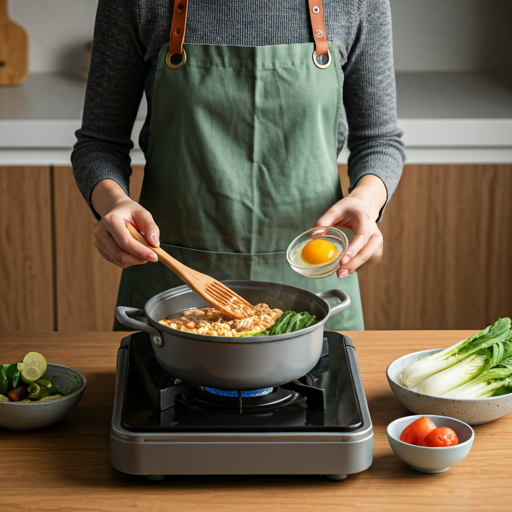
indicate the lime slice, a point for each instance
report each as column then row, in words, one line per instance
column 30, row 374
column 35, row 359
column 3, row 398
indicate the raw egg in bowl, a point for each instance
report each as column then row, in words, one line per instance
column 317, row 252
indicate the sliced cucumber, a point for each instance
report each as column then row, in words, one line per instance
column 35, row 359
column 30, row 374
column 50, row 398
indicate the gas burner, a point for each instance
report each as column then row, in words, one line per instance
column 239, row 401
column 243, row 394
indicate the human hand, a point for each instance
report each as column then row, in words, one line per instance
column 359, row 212
column 111, row 237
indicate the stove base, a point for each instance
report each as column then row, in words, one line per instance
column 280, row 457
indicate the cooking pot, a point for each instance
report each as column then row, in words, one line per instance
column 246, row 363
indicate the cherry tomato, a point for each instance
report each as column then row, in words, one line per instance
column 416, row 432
column 440, row 437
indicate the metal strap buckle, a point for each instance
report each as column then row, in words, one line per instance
column 176, row 66
column 322, row 66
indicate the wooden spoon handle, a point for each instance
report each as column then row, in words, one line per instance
column 182, row 271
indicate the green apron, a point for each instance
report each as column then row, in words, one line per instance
column 241, row 159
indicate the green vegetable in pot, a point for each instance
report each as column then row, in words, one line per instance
column 291, row 322
column 3, row 398
column 288, row 322
column 413, row 375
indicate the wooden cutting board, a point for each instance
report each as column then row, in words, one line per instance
column 13, row 49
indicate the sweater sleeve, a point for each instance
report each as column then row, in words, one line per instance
column 114, row 90
column 369, row 96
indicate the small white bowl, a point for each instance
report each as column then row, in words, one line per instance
column 474, row 411
column 423, row 458
column 32, row 415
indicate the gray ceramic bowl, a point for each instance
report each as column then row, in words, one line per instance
column 473, row 411
column 431, row 460
column 29, row 416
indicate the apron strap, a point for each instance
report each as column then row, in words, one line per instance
column 316, row 15
column 176, row 55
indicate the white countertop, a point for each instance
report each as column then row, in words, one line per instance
column 446, row 118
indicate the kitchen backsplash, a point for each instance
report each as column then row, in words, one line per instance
column 57, row 30
column 430, row 35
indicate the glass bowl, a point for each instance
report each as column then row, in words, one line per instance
column 331, row 234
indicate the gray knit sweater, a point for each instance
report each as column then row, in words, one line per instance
column 129, row 33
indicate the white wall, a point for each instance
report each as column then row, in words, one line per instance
column 57, row 31
column 429, row 35
column 452, row 35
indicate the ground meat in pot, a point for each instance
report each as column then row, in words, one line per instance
column 211, row 322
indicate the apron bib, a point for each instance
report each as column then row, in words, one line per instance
column 241, row 159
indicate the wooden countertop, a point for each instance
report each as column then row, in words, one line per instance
column 67, row 466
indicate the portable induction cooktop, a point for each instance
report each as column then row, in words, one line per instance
column 318, row 424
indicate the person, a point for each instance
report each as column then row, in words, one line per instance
column 249, row 106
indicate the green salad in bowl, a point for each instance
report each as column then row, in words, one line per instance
column 35, row 394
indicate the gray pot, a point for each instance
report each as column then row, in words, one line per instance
column 236, row 363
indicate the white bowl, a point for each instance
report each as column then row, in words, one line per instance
column 29, row 416
column 431, row 460
column 474, row 411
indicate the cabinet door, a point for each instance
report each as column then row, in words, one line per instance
column 447, row 260
column 26, row 269
column 86, row 284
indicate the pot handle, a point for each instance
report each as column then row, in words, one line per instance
column 125, row 314
column 338, row 294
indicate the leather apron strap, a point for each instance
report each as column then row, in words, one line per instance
column 316, row 15
column 176, row 55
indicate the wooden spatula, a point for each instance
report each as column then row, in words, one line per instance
column 217, row 294
column 13, row 49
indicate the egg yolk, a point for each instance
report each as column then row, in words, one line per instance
column 319, row 251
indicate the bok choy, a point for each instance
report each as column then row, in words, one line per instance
column 475, row 346
column 469, row 368
column 493, row 382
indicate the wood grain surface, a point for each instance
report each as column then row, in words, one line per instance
column 66, row 467
column 86, row 284
column 26, row 253
column 447, row 250
column 13, row 49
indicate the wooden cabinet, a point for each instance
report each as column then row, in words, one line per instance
column 85, row 283
column 447, row 260
column 26, row 250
